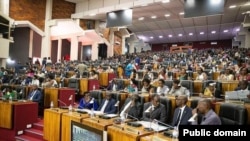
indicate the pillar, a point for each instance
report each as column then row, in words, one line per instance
column 94, row 51
column 74, row 48
column 59, row 50
column 4, row 7
column 46, row 42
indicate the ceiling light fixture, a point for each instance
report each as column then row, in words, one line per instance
column 182, row 13
column 165, row 1
column 237, row 29
column 213, row 32
column 190, row 34
column 170, row 36
column 167, row 15
column 160, row 36
column 201, row 33
column 93, row 14
column 153, row 17
column 225, row 31
column 232, row 6
column 152, row 37
column 141, row 18
column 180, row 35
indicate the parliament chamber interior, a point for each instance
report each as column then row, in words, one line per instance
column 127, row 70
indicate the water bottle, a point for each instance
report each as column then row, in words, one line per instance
column 51, row 104
column 136, row 90
column 60, row 85
column 70, row 108
column 93, row 87
column 175, row 134
column 10, row 98
column 226, row 99
column 92, row 113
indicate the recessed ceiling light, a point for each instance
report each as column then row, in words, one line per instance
column 170, row 35
column 190, row 34
column 160, row 36
column 201, row 33
column 237, row 29
column 167, row 15
column 152, row 37
column 141, row 18
column 225, row 31
column 93, row 14
column 165, row 1
column 182, row 13
column 213, row 32
column 180, row 35
column 232, row 6
column 153, row 17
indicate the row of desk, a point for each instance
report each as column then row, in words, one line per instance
column 57, row 126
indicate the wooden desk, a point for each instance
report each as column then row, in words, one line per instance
column 52, row 124
column 157, row 137
column 50, row 94
column 103, row 79
column 198, row 87
column 98, row 123
column 216, row 75
column 247, row 105
column 66, row 124
column 83, row 85
column 126, row 133
column 6, row 115
column 229, row 85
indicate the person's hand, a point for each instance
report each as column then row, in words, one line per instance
column 194, row 111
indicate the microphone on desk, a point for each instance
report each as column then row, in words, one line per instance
column 118, row 107
column 134, row 124
column 64, row 104
column 162, row 123
column 192, row 119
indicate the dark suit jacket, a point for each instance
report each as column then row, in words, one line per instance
column 37, row 96
column 110, row 108
column 118, row 86
column 159, row 113
column 186, row 115
column 135, row 111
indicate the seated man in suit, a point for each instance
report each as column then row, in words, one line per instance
column 154, row 110
column 205, row 111
column 132, row 107
column 177, row 89
column 108, row 105
column 115, row 85
column 182, row 113
column 35, row 95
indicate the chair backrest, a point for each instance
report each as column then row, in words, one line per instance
column 21, row 91
column 169, row 83
column 97, row 95
column 233, row 114
column 189, row 85
column 168, row 105
column 73, row 83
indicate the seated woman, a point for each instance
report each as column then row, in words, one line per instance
column 134, row 74
column 183, row 75
column 147, row 87
column 210, row 91
column 87, row 102
column 200, row 74
column 9, row 93
column 110, row 70
column 132, row 86
column 51, row 82
column 93, row 75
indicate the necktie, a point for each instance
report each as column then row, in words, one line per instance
column 178, row 118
